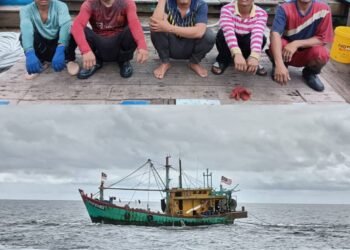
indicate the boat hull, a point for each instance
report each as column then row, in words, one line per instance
column 105, row 212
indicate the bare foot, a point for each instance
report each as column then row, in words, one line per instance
column 28, row 76
column 161, row 70
column 72, row 68
column 200, row 70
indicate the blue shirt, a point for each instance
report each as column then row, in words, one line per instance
column 197, row 13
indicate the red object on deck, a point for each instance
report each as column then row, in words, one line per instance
column 240, row 92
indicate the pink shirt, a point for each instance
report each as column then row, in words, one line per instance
column 232, row 23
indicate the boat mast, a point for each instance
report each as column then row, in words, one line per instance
column 101, row 190
column 167, row 180
column 180, row 176
column 207, row 175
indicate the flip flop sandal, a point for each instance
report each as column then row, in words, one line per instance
column 218, row 68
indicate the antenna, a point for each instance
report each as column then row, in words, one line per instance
column 206, row 176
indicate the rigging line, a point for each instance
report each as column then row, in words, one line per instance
column 189, row 180
column 196, row 180
column 185, row 182
column 143, row 173
column 158, row 176
column 135, row 176
column 189, row 183
column 189, row 177
column 158, row 163
column 132, row 197
column 157, row 181
column 130, row 173
column 138, row 175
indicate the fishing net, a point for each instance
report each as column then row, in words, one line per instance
column 10, row 49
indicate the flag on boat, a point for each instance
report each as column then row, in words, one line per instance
column 103, row 176
column 226, row 180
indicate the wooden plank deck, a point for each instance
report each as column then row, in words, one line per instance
column 107, row 87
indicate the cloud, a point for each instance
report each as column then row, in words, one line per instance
column 261, row 147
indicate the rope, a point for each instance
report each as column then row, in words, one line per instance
column 123, row 178
column 10, row 49
column 257, row 218
column 157, row 182
column 132, row 197
column 129, row 174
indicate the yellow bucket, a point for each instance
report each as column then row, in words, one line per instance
column 340, row 51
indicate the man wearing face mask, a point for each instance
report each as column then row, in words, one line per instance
column 45, row 37
column 179, row 31
column 300, row 30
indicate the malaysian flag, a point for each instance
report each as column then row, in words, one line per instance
column 226, row 180
column 103, row 176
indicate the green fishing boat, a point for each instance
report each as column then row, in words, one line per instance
column 180, row 206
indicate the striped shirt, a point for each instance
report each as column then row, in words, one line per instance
column 197, row 13
column 232, row 24
column 293, row 25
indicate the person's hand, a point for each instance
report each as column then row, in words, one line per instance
column 142, row 55
column 33, row 64
column 252, row 65
column 288, row 51
column 240, row 62
column 58, row 60
column 89, row 60
column 281, row 74
column 157, row 25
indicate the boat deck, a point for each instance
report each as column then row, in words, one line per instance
column 180, row 85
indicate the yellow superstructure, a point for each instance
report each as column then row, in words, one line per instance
column 192, row 202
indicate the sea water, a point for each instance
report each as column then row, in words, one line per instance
column 66, row 225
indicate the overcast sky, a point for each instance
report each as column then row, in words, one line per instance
column 276, row 153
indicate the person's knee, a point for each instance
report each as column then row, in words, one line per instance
column 209, row 36
column 158, row 37
column 87, row 31
column 153, row 35
column 319, row 55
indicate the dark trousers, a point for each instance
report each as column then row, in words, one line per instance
column 120, row 47
column 171, row 46
column 45, row 49
column 243, row 41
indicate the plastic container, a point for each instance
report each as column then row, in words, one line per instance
column 340, row 51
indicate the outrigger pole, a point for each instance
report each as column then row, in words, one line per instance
column 136, row 189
